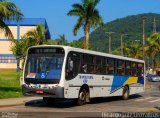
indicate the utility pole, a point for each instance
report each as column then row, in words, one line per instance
column 110, row 37
column 143, row 34
column 122, row 42
column 154, row 25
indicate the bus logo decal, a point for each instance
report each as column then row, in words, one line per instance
column 85, row 77
column 85, row 81
column 43, row 75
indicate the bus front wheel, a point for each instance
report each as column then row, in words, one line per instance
column 82, row 97
column 125, row 94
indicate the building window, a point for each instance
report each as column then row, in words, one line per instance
column 8, row 59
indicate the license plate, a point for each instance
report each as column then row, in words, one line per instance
column 39, row 91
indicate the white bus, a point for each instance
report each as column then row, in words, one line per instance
column 71, row 73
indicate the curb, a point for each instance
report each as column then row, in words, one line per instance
column 21, row 102
column 153, row 110
column 157, row 107
column 11, row 105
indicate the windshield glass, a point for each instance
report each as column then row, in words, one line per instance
column 44, row 64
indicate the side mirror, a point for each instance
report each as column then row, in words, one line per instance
column 18, row 69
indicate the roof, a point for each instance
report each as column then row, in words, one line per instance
column 30, row 22
column 27, row 21
column 91, row 52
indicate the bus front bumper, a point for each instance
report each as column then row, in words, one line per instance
column 57, row 92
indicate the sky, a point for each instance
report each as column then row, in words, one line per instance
column 55, row 12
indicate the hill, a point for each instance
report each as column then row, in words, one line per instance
column 130, row 25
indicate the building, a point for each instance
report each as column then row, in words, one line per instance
column 18, row 29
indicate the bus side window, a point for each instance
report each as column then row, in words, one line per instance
column 73, row 64
column 87, row 65
column 120, row 67
column 98, row 64
column 140, row 69
column 107, row 66
column 134, row 69
column 103, row 66
column 128, row 68
column 111, row 66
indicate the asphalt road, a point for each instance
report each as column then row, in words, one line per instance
column 143, row 102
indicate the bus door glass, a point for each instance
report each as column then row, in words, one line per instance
column 73, row 65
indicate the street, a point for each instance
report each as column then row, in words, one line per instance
column 143, row 102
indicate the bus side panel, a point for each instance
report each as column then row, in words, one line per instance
column 71, row 92
column 99, row 85
column 117, row 92
column 99, row 92
column 136, row 89
column 103, row 85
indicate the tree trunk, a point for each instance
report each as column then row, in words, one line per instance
column 152, row 64
column 86, row 38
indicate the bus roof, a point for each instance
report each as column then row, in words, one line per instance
column 68, row 48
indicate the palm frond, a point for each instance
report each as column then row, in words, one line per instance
column 75, row 12
column 78, row 25
column 37, row 34
column 9, row 11
column 78, row 7
column 6, row 30
column 96, row 2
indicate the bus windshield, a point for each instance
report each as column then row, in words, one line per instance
column 44, row 64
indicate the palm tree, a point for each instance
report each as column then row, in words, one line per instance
column 31, row 38
column 8, row 11
column 153, row 48
column 38, row 34
column 76, row 44
column 133, row 50
column 125, row 49
column 88, row 17
column 62, row 40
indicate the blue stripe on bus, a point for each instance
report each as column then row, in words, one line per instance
column 118, row 81
column 140, row 80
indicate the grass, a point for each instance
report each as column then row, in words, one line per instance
column 10, row 84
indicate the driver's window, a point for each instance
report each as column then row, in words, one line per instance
column 73, row 65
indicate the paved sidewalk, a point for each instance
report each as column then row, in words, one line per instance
column 16, row 101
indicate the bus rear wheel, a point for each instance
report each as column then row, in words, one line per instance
column 125, row 94
column 82, row 97
column 48, row 100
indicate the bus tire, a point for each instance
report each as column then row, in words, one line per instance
column 82, row 97
column 125, row 94
column 48, row 100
